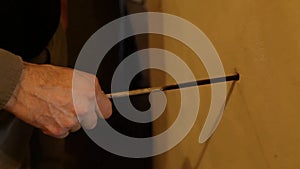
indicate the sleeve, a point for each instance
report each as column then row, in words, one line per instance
column 11, row 67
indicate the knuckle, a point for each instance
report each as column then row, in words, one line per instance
column 89, row 124
column 70, row 123
column 57, row 131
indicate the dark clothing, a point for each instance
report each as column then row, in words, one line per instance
column 28, row 25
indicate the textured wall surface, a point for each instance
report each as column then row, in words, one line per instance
column 261, row 123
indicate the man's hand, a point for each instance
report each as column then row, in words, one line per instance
column 43, row 99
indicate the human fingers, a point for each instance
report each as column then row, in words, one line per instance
column 56, row 135
column 63, row 136
column 103, row 104
column 75, row 128
column 89, row 121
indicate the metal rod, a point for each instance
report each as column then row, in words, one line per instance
column 203, row 82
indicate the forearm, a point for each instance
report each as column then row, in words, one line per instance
column 11, row 67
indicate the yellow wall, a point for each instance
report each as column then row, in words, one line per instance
column 260, row 127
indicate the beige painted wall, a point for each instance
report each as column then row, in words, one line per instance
column 260, row 127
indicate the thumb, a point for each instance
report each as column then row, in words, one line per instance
column 104, row 106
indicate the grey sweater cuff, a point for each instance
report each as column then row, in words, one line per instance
column 11, row 67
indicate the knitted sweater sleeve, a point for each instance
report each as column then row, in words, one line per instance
column 11, row 67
